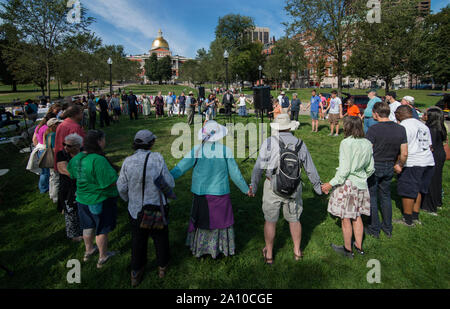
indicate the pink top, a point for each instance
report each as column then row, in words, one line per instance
column 40, row 133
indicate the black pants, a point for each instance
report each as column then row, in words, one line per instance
column 228, row 108
column 139, row 242
column 92, row 119
column 294, row 115
column 104, row 118
column 133, row 111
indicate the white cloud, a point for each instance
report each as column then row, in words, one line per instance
column 143, row 21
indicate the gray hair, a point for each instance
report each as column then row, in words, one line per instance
column 295, row 95
column 75, row 139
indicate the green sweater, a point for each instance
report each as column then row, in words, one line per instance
column 356, row 162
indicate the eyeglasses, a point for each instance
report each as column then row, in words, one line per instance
column 68, row 146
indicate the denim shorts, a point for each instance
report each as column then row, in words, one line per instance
column 414, row 180
column 315, row 115
column 103, row 223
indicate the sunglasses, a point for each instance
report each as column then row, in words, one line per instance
column 68, row 146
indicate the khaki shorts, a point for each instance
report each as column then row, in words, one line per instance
column 292, row 208
column 333, row 118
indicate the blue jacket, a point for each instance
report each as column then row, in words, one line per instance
column 211, row 170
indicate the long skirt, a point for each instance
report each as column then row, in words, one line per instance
column 349, row 202
column 211, row 226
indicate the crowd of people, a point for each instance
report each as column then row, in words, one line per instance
column 85, row 185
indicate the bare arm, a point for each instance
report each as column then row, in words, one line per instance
column 62, row 168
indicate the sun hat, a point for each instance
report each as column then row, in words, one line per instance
column 409, row 99
column 144, row 137
column 53, row 121
column 281, row 123
column 190, row 92
column 212, row 132
column 282, row 92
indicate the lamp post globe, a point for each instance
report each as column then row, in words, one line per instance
column 110, row 62
column 226, row 55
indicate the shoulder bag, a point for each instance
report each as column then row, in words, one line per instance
column 153, row 217
column 47, row 159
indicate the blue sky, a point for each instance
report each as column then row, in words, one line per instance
column 187, row 25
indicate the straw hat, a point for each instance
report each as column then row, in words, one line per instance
column 212, row 132
column 281, row 123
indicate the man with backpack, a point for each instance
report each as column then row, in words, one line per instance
column 282, row 156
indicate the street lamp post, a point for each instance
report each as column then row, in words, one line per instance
column 281, row 72
column 110, row 62
column 226, row 55
column 260, row 72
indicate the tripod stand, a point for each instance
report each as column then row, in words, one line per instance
column 262, row 130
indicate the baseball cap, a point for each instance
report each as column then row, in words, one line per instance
column 408, row 98
column 144, row 137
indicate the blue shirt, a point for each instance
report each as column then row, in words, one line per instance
column 315, row 102
column 369, row 108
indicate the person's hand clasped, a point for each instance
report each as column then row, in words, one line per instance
column 250, row 192
column 326, row 188
column 398, row 169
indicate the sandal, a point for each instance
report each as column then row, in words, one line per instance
column 162, row 272
column 266, row 260
column 102, row 262
column 87, row 255
column 298, row 257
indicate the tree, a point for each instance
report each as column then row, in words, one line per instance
column 382, row 49
column 43, row 23
column 327, row 23
column 151, row 67
column 288, row 56
column 234, row 29
column 165, row 69
column 438, row 42
column 244, row 61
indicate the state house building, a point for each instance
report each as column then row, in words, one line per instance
column 160, row 47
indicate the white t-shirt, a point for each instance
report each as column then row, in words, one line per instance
column 419, row 142
column 334, row 106
column 393, row 106
column 280, row 99
column 242, row 101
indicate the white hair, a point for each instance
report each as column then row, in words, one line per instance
column 74, row 138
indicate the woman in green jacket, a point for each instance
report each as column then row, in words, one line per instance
column 211, row 223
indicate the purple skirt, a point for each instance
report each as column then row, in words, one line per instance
column 211, row 212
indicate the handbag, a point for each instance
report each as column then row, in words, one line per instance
column 47, row 160
column 153, row 217
column 447, row 151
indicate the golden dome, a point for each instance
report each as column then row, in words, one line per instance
column 160, row 42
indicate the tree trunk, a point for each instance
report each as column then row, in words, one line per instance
column 410, row 81
column 42, row 90
column 387, row 80
column 339, row 72
column 14, row 86
column 47, row 67
column 59, row 88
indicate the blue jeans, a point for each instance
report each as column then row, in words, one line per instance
column 380, row 185
column 44, row 177
column 368, row 122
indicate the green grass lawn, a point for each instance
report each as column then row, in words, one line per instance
column 33, row 240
